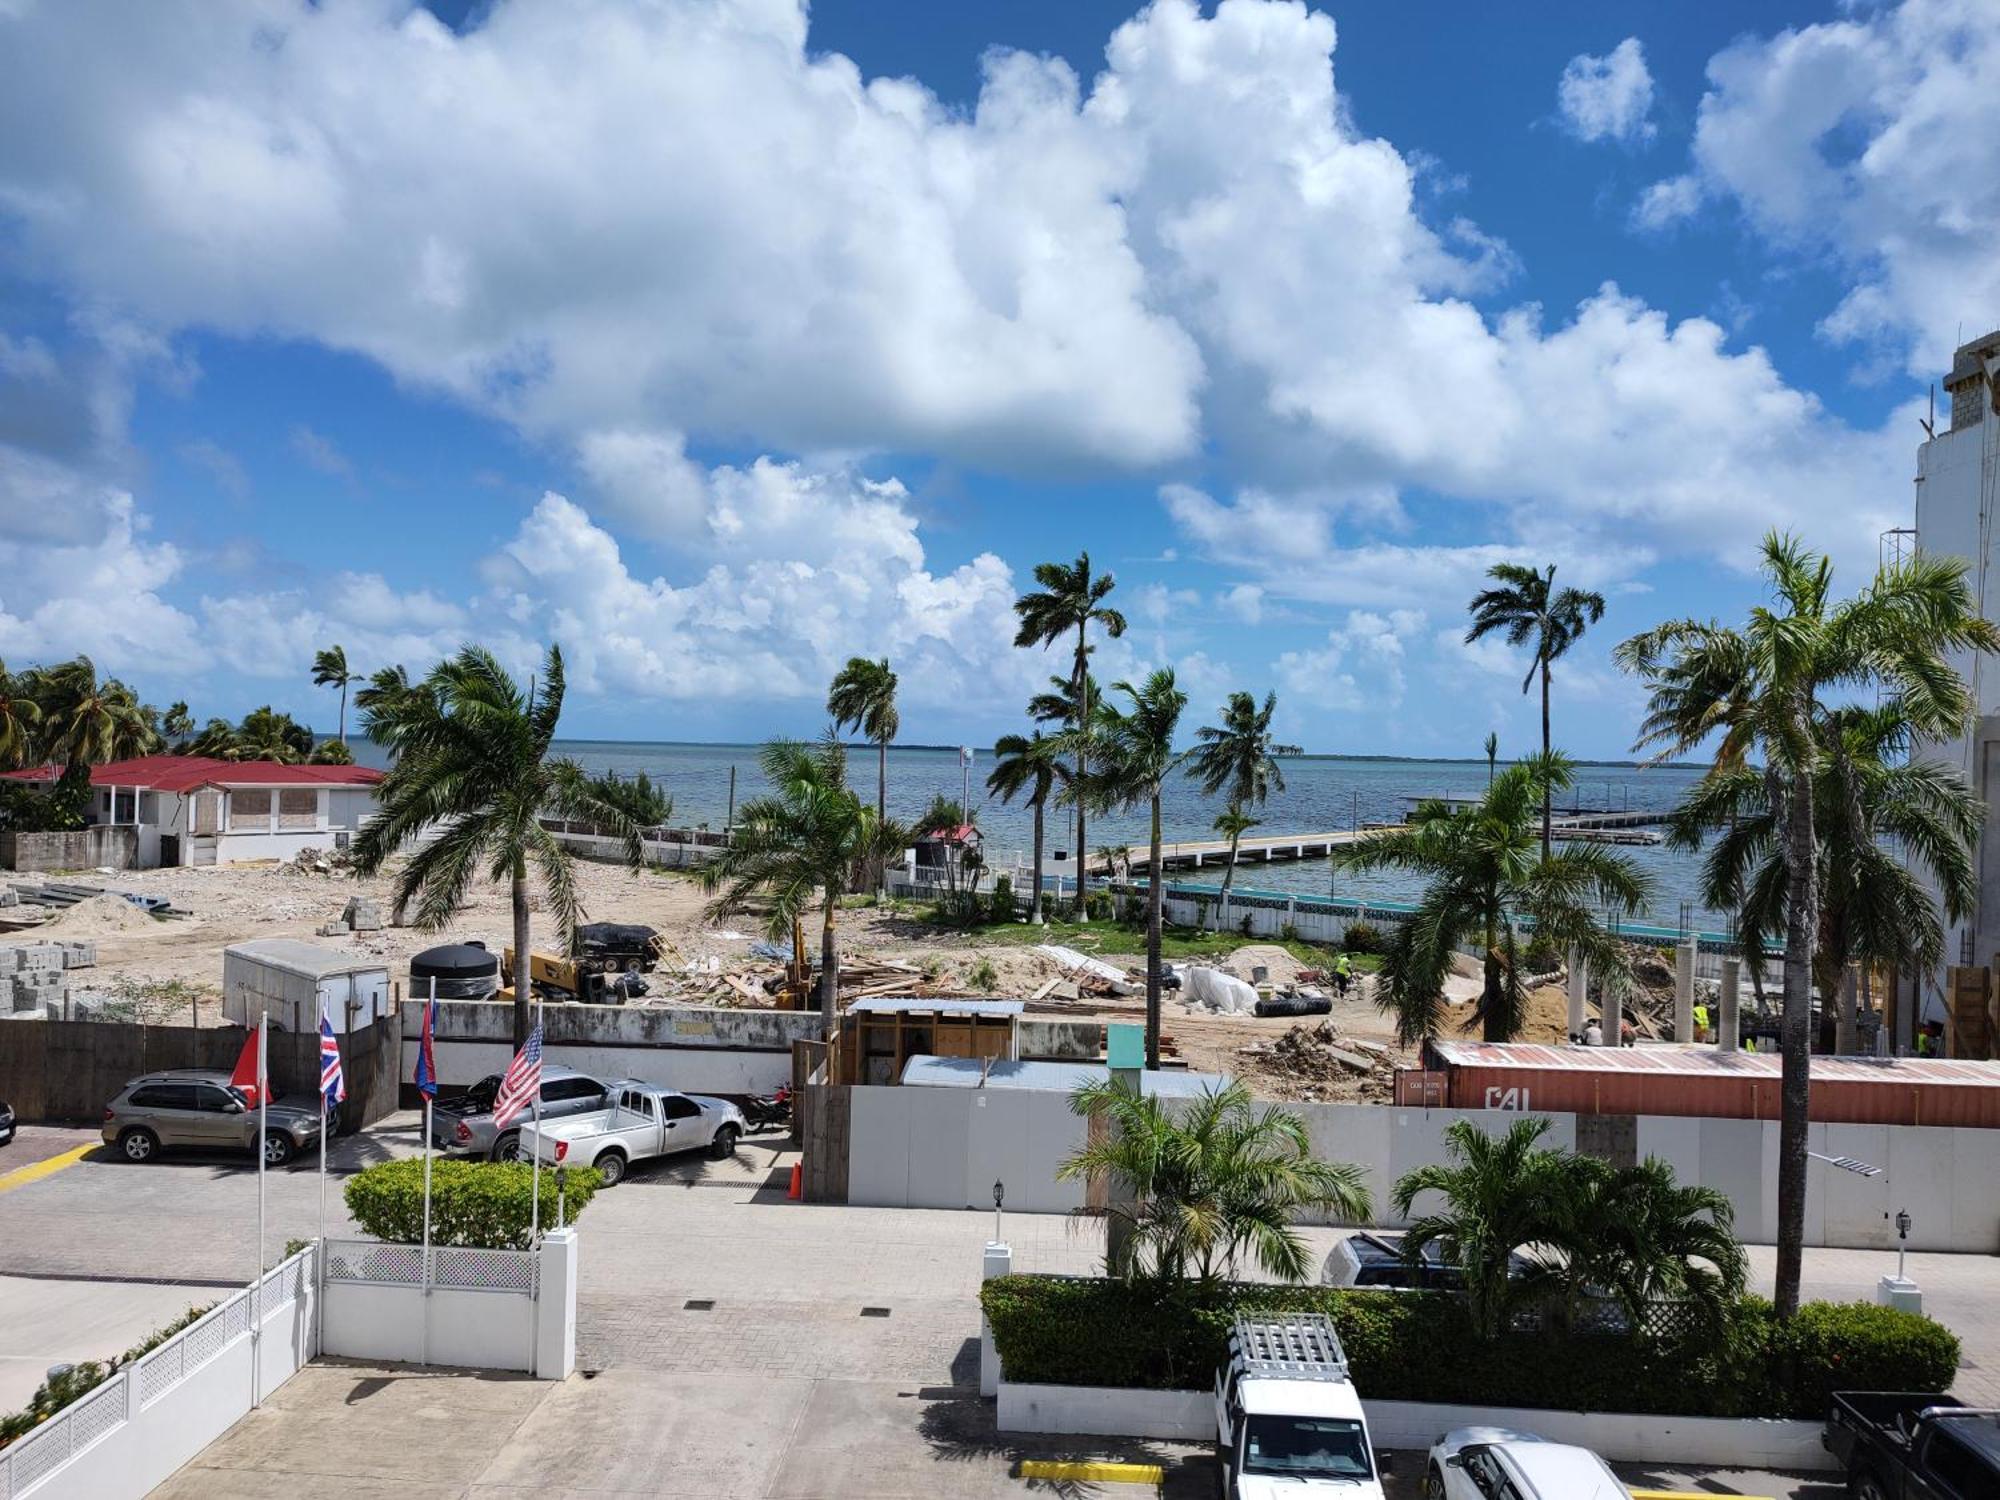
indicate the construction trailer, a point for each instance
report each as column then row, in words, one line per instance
column 877, row 1037
column 297, row 982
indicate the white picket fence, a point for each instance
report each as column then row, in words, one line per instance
column 133, row 1431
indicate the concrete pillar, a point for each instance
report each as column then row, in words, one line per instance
column 555, row 1306
column 1684, row 991
column 999, row 1261
column 1728, row 1028
column 1845, row 1024
column 1579, row 983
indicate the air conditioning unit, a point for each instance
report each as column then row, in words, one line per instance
column 342, row 840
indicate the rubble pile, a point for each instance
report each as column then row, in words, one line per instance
column 1318, row 1062
column 312, row 861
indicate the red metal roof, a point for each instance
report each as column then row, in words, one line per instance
column 1711, row 1062
column 183, row 773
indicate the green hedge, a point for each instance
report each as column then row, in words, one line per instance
column 479, row 1203
column 1406, row 1346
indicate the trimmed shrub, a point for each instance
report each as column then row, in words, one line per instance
column 1000, row 902
column 485, row 1204
column 1362, row 937
column 1064, row 1331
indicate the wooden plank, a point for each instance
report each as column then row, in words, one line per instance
column 1048, row 988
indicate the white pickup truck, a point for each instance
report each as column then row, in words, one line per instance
column 644, row 1121
column 1287, row 1419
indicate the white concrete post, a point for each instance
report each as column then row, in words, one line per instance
column 1684, row 991
column 555, row 1306
column 999, row 1262
column 1728, row 1030
column 1579, row 984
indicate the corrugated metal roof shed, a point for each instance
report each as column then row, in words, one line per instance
column 1710, row 1062
column 888, row 1005
column 1054, row 1077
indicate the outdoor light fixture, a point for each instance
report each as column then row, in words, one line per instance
column 1902, row 1239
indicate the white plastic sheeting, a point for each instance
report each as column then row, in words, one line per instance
column 1214, row 990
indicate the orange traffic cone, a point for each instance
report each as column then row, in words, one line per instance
column 797, row 1189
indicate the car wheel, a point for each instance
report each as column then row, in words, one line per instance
column 611, row 1167
column 508, row 1147
column 1868, row 1487
column 724, row 1143
column 278, row 1148
column 1433, row 1483
column 139, row 1145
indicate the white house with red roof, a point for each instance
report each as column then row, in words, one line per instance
column 195, row 810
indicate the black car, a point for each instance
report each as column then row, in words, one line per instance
column 6, row 1122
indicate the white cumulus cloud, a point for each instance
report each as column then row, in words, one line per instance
column 1608, row 97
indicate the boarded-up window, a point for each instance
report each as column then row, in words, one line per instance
column 207, row 809
column 249, row 811
column 298, row 808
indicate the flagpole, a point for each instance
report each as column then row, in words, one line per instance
column 535, row 1157
column 257, row 1282
column 319, row 1250
column 429, row 1008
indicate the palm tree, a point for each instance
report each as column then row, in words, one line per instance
column 1872, row 803
column 1487, row 884
column 1527, row 606
column 472, row 764
column 266, row 734
column 1207, row 1186
column 1135, row 753
column 177, row 723
column 802, row 843
column 1495, row 1195
column 863, row 696
column 1755, row 694
column 1234, row 759
column 1022, row 765
column 1232, row 823
column 1071, row 598
column 385, row 688
column 216, row 740
column 1638, row 1235
column 942, row 820
column 1492, row 748
column 330, row 670
column 20, row 721
column 331, row 753
column 84, row 722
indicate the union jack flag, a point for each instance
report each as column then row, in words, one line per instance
column 523, row 1081
column 332, row 1083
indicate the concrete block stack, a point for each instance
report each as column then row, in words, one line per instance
column 34, row 977
column 358, row 915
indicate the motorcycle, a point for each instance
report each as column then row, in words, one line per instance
column 763, row 1111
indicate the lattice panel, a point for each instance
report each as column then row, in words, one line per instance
column 365, row 1260
column 484, row 1270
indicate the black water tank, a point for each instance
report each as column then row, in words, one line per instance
column 463, row 971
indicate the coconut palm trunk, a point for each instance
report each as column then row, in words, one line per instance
column 1082, row 760
column 1035, row 904
column 829, row 962
column 1548, row 795
column 1794, row 1033
column 1154, row 900
column 1229, row 870
column 882, row 813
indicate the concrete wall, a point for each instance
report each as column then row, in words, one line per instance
column 944, row 1148
column 69, row 1070
column 700, row 1049
column 78, row 849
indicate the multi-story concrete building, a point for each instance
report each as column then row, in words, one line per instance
column 1956, row 506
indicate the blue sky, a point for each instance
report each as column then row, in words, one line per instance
column 718, row 341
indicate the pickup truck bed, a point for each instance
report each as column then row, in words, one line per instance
column 643, row 1121
column 1914, row 1445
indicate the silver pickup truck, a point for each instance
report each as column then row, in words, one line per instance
column 644, row 1121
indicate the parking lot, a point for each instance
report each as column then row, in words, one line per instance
column 731, row 1342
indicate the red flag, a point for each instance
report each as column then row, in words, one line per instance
column 244, row 1079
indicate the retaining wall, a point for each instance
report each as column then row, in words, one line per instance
column 944, row 1148
column 69, row 1070
column 114, row 846
column 702, row 1049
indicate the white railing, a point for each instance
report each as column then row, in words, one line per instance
column 113, row 1407
column 457, row 1267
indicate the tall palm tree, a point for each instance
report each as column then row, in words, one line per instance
column 216, row 740
column 1233, row 759
column 177, row 723
column 1135, row 755
column 1492, row 749
column 472, row 765
column 1754, row 693
column 1026, row 767
column 1496, row 1192
column 386, row 686
column 266, row 734
column 1232, row 823
column 20, row 721
column 1878, row 818
column 84, row 721
column 863, row 696
column 1527, row 606
column 330, row 670
column 1209, row 1185
column 799, row 847
column 1071, row 598
column 1486, row 883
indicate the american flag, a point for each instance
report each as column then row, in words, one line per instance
column 522, row 1082
column 332, row 1083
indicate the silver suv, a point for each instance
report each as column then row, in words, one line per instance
column 187, row 1107
column 466, row 1123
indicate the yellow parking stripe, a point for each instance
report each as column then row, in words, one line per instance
column 1046, row 1468
column 1690, row 1495
column 36, row 1171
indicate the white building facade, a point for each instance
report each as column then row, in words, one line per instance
column 1956, row 504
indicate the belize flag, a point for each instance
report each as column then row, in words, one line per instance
column 427, row 1073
